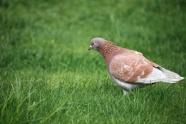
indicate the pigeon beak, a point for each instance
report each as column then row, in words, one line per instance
column 90, row 48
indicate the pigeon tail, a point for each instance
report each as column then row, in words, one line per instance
column 171, row 76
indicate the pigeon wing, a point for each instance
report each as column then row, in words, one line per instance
column 133, row 67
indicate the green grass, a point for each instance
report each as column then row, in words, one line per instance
column 47, row 74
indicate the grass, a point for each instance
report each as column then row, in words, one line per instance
column 47, row 75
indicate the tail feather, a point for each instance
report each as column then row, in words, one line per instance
column 172, row 77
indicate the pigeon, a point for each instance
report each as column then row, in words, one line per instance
column 130, row 69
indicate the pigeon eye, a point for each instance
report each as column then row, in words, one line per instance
column 92, row 43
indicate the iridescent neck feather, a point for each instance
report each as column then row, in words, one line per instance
column 107, row 50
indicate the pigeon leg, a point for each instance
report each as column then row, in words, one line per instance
column 125, row 92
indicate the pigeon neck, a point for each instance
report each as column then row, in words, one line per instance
column 107, row 51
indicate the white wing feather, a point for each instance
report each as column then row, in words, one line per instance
column 160, row 75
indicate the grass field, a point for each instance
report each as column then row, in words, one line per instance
column 47, row 74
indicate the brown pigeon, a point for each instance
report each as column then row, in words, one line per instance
column 129, row 68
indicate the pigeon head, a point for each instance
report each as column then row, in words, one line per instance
column 106, row 48
column 96, row 42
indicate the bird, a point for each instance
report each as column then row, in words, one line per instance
column 129, row 69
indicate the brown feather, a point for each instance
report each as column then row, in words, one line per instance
column 126, row 65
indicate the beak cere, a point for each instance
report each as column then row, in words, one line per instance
column 90, row 48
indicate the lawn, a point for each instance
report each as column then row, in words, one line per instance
column 47, row 74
